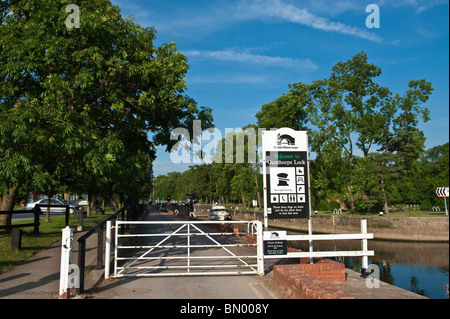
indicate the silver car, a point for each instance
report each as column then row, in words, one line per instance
column 219, row 213
column 54, row 201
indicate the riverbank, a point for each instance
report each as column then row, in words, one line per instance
column 304, row 285
column 328, row 279
column 432, row 229
column 402, row 228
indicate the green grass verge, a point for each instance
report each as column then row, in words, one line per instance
column 49, row 233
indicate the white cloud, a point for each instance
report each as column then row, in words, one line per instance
column 420, row 5
column 216, row 15
column 233, row 78
column 253, row 59
column 291, row 13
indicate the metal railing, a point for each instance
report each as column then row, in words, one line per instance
column 128, row 212
column 36, row 211
column 154, row 259
column 66, row 208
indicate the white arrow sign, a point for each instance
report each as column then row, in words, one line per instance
column 442, row 191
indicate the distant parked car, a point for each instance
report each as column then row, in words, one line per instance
column 82, row 201
column 219, row 213
column 54, row 201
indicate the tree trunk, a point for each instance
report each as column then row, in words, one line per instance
column 350, row 188
column 89, row 205
column 7, row 203
column 259, row 199
column 383, row 192
column 47, row 215
column 255, row 176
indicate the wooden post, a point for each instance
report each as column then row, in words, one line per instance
column 81, row 262
column 99, row 248
column 311, row 259
column 67, row 213
column 66, row 260
column 108, row 249
column 365, row 259
column 80, row 217
column 37, row 212
column 16, row 239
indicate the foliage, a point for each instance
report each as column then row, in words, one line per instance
column 350, row 114
column 224, row 180
column 368, row 152
column 78, row 105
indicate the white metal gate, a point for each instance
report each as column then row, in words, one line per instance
column 180, row 248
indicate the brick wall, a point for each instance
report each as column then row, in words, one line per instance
column 303, row 280
column 324, row 269
column 312, row 281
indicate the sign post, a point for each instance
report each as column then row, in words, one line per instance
column 443, row 192
column 286, row 176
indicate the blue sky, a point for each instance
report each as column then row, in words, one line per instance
column 244, row 53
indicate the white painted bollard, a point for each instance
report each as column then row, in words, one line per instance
column 260, row 248
column 66, row 259
column 311, row 259
column 373, row 276
column 108, row 249
column 364, row 248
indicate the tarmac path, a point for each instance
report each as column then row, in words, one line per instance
column 184, row 287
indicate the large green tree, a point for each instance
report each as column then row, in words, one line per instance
column 79, row 102
column 350, row 115
column 286, row 111
column 344, row 108
column 237, row 166
column 401, row 142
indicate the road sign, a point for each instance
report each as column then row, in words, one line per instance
column 286, row 174
column 442, row 191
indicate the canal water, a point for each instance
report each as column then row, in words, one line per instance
column 420, row 267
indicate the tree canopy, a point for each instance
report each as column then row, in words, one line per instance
column 368, row 150
column 79, row 105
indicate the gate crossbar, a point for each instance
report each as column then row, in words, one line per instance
column 253, row 268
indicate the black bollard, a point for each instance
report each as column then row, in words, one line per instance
column 16, row 239
column 80, row 215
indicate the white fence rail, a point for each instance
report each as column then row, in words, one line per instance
column 194, row 257
column 364, row 252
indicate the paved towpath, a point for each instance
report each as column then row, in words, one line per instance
column 38, row 278
column 186, row 287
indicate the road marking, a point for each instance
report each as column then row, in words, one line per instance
column 258, row 294
column 191, row 293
